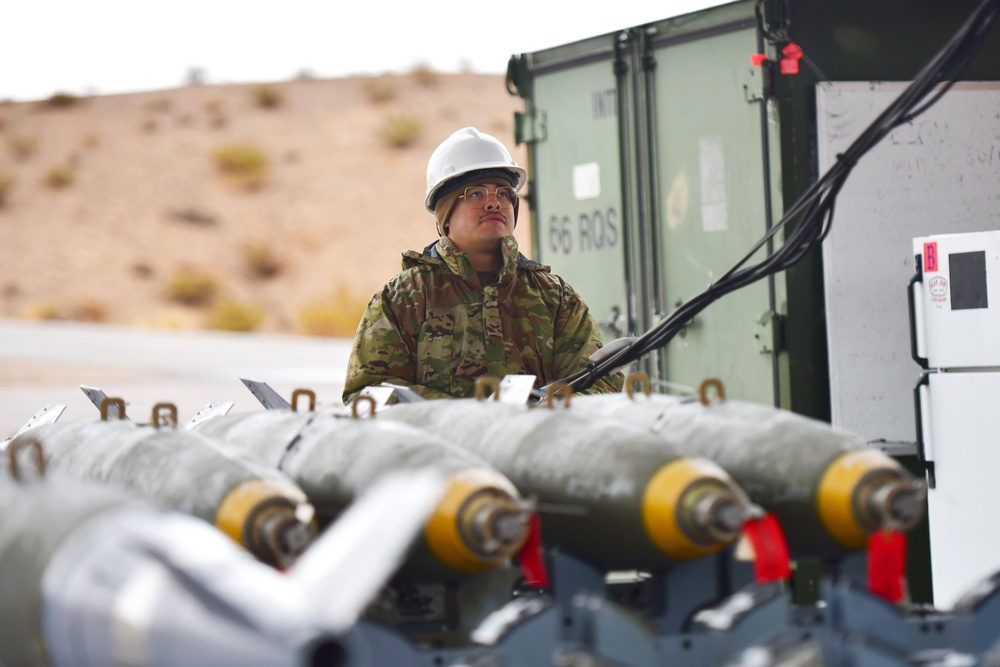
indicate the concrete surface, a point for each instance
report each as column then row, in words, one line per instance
column 45, row 363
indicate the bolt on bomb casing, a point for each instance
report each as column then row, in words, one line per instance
column 479, row 523
column 257, row 506
column 827, row 489
column 609, row 492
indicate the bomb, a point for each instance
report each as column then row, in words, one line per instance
column 828, row 490
column 256, row 505
column 94, row 576
column 609, row 492
column 479, row 523
column 80, row 563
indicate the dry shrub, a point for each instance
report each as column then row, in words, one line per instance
column 424, row 75
column 173, row 318
column 89, row 311
column 338, row 318
column 148, row 125
column 401, row 131
column 162, row 105
column 216, row 112
column 60, row 177
column 193, row 216
column 143, row 270
column 380, row 89
column 268, row 97
column 46, row 310
column 246, row 165
column 230, row 315
column 6, row 185
column 90, row 140
column 61, row 100
column 260, row 260
column 22, row 147
column 193, row 288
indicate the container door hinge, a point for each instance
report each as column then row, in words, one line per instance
column 757, row 82
column 529, row 127
column 770, row 332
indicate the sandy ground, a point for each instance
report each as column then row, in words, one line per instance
column 147, row 200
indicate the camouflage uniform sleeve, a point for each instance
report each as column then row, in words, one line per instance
column 576, row 338
column 382, row 352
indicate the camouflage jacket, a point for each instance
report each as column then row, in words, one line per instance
column 436, row 329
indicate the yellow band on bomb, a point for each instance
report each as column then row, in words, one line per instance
column 663, row 506
column 444, row 529
column 245, row 500
column 838, row 494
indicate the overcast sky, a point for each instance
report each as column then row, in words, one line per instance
column 116, row 46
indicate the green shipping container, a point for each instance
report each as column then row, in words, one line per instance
column 659, row 155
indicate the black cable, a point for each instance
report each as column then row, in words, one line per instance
column 814, row 209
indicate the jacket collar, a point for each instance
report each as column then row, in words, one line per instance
column 444, row 251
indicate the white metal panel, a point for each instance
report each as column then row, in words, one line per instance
column 962, row 433
column 937, row 174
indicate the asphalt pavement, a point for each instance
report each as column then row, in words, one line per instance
column 44, row 363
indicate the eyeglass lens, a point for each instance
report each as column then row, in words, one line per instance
column 477, row 196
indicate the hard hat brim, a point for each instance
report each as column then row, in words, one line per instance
column 514, row 174
column 461, row 180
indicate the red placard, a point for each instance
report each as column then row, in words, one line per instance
column 930, row 257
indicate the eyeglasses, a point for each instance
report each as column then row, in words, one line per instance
column 477, row 196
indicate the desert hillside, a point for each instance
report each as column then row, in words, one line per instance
column 278, row 207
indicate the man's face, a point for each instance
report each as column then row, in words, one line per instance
column 480, row 223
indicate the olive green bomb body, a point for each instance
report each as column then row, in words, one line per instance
column 259, row 507
column 612, row 494
column 479, row 523
column 828, row 489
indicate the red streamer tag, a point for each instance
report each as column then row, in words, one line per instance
column 790, row 63
column 887, row 564
column 771, row 561
column 757, row 59
column 789, row 66
column 792, row 50
column 532, row 562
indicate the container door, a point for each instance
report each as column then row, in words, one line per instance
column 575, row 169
column 713, row 171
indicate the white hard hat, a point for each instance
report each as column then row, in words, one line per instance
column 469, row 150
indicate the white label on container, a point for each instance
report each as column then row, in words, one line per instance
column 587, row 181
column 714, row 197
